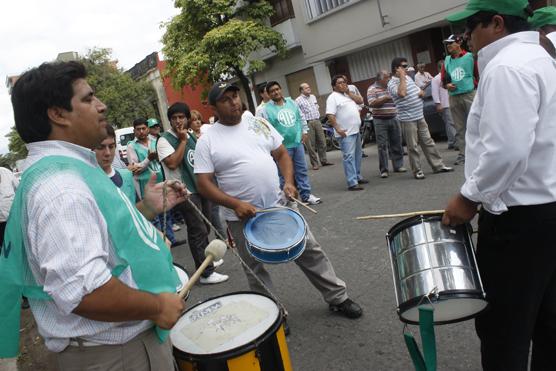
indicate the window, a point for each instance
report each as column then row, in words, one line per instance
column 316, row 8
column 283, row 10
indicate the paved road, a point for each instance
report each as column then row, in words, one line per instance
column 320, row 340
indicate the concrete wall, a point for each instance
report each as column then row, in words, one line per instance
column 358, row 25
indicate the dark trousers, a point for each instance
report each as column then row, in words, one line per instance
column 516, row 255
column 388, row 141
column 197, row 233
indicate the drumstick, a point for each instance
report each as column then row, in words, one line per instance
column 214, row 251
column 304, row 205
column 402, row 215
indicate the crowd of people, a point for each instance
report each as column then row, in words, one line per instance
column 88, row 241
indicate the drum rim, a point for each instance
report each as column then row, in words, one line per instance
column 249, row 222
column 187, row 273
column 453, row 294
column 271, row 251
column 240, row 350
column 409, row 222
column 274, row 253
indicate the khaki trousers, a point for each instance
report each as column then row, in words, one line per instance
column 316, row 143
column 416, row 133
column 460, row 106
column 313, row 262
column 142, row 353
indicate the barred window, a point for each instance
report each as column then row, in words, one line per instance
column 283, row 10
column 316, row 8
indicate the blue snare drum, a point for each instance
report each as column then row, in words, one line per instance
column 276, row 235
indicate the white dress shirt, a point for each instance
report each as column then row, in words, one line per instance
column 69, row 252
column 552, row 37
column 511, row 130
column 439, row 94
column 8, row 184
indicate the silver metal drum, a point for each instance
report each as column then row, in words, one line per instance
column 435, row 264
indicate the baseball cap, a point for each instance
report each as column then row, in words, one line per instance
column 505, row 7
column 452, row 39
column 218, row 90
column 152, row 122
column 543, row 16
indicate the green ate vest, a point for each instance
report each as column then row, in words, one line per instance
column 128, row 188
column 154, row 166
column 135, row 241
column 461, row 73
column 287, row 120
column 186, row 166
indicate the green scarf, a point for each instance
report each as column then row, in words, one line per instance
column 135, row 241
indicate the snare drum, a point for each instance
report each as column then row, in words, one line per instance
column 183, row 276
column 236, row 332
column 276, row 236
column 433, row 263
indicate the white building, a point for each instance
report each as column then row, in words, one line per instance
column 356, row 38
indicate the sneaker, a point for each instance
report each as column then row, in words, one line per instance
column 313, row 200
column 348, row 308
column 444, row 169
column 214, row 278
column 218, row 263
column 460, row 160
column 384, row 174
column 363, row 154
column 327, row 164
column 419, row 175
column 355, row 188
column 363, row 181
column 177, row 243
column 400, row 170
column 315, row 167
column 176, row 227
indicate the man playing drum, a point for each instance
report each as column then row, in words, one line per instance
column 97, row 274
column 510, row 170
column 242, row 154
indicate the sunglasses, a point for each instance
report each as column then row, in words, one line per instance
column 404, row 65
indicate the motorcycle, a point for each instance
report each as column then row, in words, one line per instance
column 367, row 129
column 331, row 141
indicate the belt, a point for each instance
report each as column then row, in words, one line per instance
column 77, row 342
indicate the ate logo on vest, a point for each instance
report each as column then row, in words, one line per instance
column 286, row 117
column 457, row 74
column 190, row 156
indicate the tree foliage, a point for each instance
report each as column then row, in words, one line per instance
column 126, row 98
column 209, row 40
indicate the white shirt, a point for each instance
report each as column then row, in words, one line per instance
column 346, row 112
column 421, row 79
column 511, row 130
column 8, row 184
column 165, row 149
column 240, row 158
column 552, row 37
column 70, row 252
column 439, row 94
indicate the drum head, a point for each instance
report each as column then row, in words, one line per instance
column 275, row 230
column 449, row 308
column 224, row 324
column 182, row 275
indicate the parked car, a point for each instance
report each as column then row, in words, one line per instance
column 433, row 118
column 123, row 136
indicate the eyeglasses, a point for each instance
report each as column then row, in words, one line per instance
column 404, row 65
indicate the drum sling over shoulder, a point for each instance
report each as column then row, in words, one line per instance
column 428, row 362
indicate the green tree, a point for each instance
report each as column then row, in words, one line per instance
column 126, row 98
column 16, row 146
column 211, row 40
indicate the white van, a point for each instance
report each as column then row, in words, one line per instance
column 123, row 136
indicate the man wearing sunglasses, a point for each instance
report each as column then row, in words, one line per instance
column 459, row 76
column 510, row 170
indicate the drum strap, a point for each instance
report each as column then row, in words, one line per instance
column 428, row 363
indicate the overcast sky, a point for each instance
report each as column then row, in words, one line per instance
column 35, row 31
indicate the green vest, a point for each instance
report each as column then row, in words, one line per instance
column 135, row 241
column 287, row 120
column 186, row 166
column 128, row 188
column 154, row 166
column 461, row 73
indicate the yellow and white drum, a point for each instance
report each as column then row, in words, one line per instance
column 183, row 276
column 236, row 332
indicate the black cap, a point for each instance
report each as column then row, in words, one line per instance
column 218, row 90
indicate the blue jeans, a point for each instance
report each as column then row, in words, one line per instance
column 157, row 222
column 297, row 154
column 351, row 151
